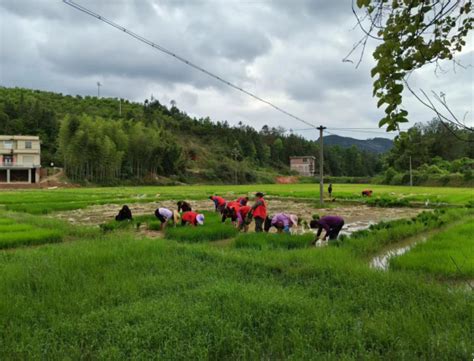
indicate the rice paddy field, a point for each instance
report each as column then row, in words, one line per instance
column 129, row 291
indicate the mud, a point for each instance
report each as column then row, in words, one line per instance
column 357, row 217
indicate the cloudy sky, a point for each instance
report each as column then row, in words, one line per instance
column 287, row 51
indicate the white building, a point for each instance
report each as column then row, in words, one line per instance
column 20, row 159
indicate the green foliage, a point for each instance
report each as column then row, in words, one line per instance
column 149, row 142
column 412, row 34
column 446, row 255
column 266, row 241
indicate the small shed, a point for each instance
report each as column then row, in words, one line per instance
column 304, row 165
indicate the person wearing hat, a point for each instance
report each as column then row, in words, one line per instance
column 192, row 218
column 259, row 211
column 219, row 203
column 331, row 224
column 164, row 215
column 283, row 222
column 184, row 206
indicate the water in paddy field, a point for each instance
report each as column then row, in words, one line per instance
column 382, row 260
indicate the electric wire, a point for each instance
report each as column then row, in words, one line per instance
column 183, row 60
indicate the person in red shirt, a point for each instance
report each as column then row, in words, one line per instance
column 192, row 218
column 259, row 211
column 243, row 200
column 367, row 193
column 231, row 211
column 219, row 203
column 243, row 218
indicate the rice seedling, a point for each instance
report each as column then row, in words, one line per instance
column 206, row 233
column 448, row 254
column 5, row 228
column 265, row 241
column 127, row 298
column 30, row 237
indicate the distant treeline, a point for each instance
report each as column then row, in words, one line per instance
column 110, row 140
column 440, row 155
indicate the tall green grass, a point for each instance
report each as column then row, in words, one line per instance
column 447, row 255
column 126, row 298
column 28, row 238
column 266, row 241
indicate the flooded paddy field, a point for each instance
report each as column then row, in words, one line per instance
column 357, row 217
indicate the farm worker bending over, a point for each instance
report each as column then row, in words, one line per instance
column 164, row 215
column 243, row 219
column 243, row 200
column 367, row 193
column 192, row 218
column 219, row 202
column 259, row 211
column 283, row 222
column 231, row 211
column 331, row 224
column 184, row 206
column 125, row 214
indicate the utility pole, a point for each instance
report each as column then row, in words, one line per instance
column 98, row 89
column 411, row 174
column 321, row 165
column 120, row 107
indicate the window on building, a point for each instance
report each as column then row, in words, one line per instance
column 28, row 160
column 7, row 160
column 28, row 144
column 8, row 144
column 305, row 160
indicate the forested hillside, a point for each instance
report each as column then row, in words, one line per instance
column 375, row 145
column 107, row 140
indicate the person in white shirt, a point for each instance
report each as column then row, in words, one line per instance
column 164, row 215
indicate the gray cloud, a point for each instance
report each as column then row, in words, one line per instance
column 289, row 52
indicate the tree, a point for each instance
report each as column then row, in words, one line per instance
column 412, row 34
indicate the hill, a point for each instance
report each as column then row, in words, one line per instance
column 109, row 140
column 375, row 145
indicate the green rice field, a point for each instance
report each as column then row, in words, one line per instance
column 126, row 291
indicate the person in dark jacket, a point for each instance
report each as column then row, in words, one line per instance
column 125, row 214
column 184, row 206
column 330, row 190
column 331, row 224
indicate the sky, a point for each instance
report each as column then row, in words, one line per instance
column 287, row 52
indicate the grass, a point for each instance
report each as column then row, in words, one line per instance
column 265, row 241
column 446, row 255
column 119, row 295
column 126, row 298
column 212, row 230
column 48, row 201
column 28, row 238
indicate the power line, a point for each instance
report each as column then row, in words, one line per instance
column 182, row 59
